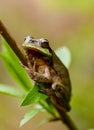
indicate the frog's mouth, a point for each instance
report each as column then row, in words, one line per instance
column 38, row 50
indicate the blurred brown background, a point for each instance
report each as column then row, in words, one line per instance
column 63, row 23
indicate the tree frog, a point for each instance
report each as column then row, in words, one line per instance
column 45, row 67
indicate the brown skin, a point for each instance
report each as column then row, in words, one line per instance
column 45, row 67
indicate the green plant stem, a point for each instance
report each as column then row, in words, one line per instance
column 12, row 43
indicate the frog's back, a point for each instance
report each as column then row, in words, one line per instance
column 62, row 71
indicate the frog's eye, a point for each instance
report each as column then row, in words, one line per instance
column 44, row 43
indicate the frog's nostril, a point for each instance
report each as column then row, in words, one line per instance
column 28, row 39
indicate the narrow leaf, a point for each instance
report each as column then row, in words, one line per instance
column 32, row 96
column 29, row 115
column 9, row 90
column 14, row 67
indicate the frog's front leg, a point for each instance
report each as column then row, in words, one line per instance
column 40, row 78
column 29, row 68
column 46, row 90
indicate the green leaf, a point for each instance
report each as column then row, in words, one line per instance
column 12, row 63
column 33, row 96
column 9, row 90
column 29, row 115
column 64, row 55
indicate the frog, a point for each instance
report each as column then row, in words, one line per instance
column 44, row 67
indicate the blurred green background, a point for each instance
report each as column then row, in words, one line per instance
column 63, row 23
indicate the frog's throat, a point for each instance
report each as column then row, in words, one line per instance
column 44, row 51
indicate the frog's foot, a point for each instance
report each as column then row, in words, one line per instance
column 40, row 78
column 46, row 91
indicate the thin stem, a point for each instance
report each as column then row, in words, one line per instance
column 67, row 120
column 12, row 43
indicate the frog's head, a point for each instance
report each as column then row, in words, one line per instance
column 37, row 45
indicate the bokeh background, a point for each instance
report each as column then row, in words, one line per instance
column 63, row 23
